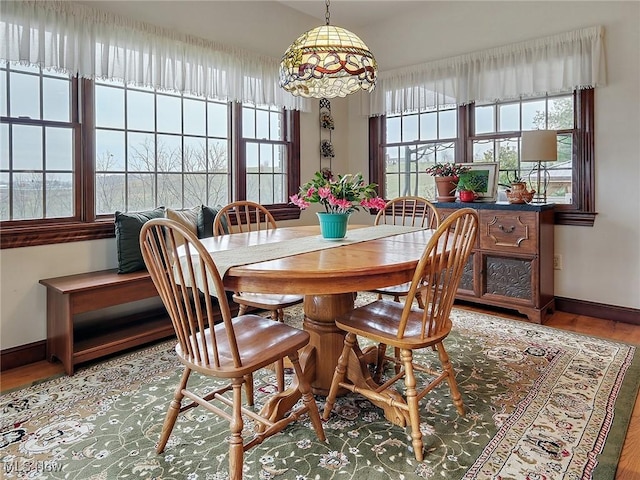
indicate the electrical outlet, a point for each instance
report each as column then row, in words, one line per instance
column 557, row 262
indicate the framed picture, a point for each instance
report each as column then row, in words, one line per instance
column 485, row 177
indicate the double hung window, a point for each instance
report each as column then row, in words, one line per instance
column 413, row 122
column 37, row 144
column 114, row 114
column 405, row 144
column 75, row 151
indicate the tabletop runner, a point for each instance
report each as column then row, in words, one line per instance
column 226, row 259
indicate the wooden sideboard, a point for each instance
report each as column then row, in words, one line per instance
column 512, row 264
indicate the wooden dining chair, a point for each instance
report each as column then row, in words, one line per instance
column 412, row 211
column 247, row 216
column 404, row 326
column 229, row 350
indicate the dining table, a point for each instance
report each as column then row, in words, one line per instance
column 297, row 260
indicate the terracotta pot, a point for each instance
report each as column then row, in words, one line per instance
column 518, row 193
column 446, row 187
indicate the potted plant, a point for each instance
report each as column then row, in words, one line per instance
column 517, row 191
column 340, row 197
column 469, row 185
column 446, row 178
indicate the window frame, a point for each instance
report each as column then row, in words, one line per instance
column 581, row 212
column 280, row 211
column 86, row 225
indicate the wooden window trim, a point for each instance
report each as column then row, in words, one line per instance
column 581, row 212
column 87, row 226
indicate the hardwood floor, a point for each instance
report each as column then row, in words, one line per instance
column 629, row 464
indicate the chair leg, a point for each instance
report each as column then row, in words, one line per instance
column 278, row 315
column 172, row 412
column 307, row 397
column 382, row 348
column 339, row 374
column 406, row 356
column 248, row 387
column 242, row 310
column 236, row 447
column 451, row 378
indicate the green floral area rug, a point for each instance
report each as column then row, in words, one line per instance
column 541, row 404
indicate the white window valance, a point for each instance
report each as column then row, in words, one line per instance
column 558, row 63
column 78, row 40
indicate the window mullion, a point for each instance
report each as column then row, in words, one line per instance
column 85, row 160
column 239, row 156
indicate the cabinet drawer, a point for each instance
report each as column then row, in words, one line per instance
column 509, row 231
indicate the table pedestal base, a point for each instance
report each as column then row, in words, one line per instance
column 320, row 357
column 320, row 312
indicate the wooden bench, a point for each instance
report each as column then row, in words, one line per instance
column 74, row 342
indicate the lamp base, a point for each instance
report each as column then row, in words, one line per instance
column 539, row 178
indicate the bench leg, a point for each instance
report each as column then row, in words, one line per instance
column 60, row 330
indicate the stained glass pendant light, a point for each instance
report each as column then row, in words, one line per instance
column 327, row 62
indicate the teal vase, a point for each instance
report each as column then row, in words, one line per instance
column 333, row 226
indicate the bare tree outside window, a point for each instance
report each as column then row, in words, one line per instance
column 130, row 149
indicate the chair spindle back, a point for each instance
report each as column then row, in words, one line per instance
column 243, row 216
column 439, row 271
column 187, row 279
column 409, row 211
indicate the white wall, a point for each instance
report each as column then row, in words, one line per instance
column 601, row 264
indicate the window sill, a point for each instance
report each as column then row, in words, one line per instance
column 50, row 233
column 32, row 235
column 580, row 219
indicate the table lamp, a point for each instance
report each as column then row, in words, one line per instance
column 539, row 146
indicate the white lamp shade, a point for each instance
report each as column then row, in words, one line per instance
column 539, row 146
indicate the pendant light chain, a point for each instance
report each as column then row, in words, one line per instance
column 326, row 15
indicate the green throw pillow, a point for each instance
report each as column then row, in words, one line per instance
column 205, row 221
column 128, row 226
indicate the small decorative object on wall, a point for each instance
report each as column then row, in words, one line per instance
column 326, row 129
column 326, row 120
column 326, row 148
column 340, row 197
column 482, row 179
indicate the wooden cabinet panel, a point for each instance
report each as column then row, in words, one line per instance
column 509, row 278
column 502, row 231
column 512, row 263
column 469, row 276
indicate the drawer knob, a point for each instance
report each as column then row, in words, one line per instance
column 506, row 229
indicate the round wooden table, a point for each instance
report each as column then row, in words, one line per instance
column 328, row 279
